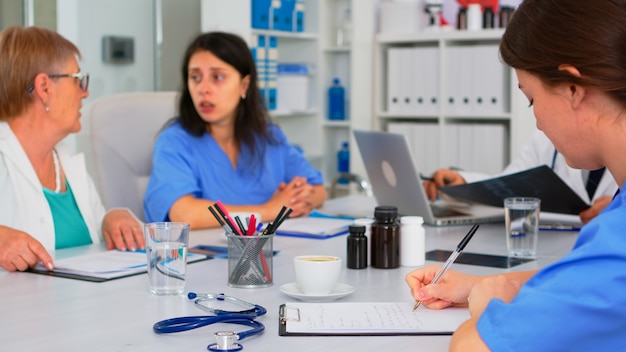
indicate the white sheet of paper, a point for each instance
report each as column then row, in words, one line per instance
column 371, row 317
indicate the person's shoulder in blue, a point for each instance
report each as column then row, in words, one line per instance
column 223, row 146
column 577, row 88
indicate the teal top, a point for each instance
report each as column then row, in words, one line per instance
column 69, row 227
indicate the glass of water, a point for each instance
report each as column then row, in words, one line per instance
column 166, row 249
column 521, row 216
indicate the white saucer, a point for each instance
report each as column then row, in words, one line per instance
column 292, row 290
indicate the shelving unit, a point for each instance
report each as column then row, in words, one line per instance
column 473, row 122
column 353, row 65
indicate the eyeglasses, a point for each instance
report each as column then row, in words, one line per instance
column 83, row 78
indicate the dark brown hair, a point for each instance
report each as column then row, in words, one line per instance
column 589, row 35
column 251, row 117
column 24, row 53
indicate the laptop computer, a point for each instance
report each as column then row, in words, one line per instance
column 395, row 181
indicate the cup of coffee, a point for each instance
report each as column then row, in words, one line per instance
column 317, row 274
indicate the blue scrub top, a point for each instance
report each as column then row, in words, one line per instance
column 186, row 164
column 575, row 304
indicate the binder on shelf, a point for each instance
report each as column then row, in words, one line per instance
column 298, row 15
column 431, row 150
column 458, row 82
column 393, row 79
column 425, row 81
column 406, row 81
column 491, row 137
column 490, row 81
column 286, row 15
column 275, row 14
column 260, row 14
column 451, row 145
column 272, row 72
column 465, row 151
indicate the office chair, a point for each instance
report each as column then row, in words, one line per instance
column 362, row 184
column 122, row 130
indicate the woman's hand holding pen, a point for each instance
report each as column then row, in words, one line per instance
column 441, row 177
column 452, row 289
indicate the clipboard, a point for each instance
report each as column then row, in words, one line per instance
column 314, row 227
column 86, row 276
column 384, row 319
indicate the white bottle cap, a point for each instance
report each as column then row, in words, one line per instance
column 414, row 220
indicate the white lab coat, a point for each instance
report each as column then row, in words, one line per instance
column 539, row 150
column 23, row 205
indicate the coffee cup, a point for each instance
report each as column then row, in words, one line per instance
column 317, row 274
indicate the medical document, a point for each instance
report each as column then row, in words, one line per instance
column 368, row 318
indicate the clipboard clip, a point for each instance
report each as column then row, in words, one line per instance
column 287, row 313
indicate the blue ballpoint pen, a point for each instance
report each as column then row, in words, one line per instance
column 451, row 259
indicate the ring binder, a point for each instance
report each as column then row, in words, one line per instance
column 284, row 318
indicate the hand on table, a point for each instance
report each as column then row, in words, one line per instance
column 297, row 194
column 122, row 231
column 20, row 251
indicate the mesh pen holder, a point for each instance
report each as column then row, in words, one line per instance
column 250, row 261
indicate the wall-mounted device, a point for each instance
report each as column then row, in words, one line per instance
column 118, row 50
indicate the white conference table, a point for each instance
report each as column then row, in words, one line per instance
column 44, row 313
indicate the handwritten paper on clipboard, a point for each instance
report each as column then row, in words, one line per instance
column 540, row 182
column 367, row 319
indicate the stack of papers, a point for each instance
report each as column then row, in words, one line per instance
column 314, row 227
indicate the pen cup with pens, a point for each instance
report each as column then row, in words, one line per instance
column 250, row 247
column 250, row 260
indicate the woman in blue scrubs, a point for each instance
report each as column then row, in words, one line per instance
column 570, row 61
column 223, row 146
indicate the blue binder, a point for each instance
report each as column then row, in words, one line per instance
column 260, row 14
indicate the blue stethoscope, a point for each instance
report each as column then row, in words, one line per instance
column 225, row 339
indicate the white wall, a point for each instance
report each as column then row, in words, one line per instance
column 85, row 22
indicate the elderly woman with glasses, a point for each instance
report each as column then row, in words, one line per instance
column 47, row 199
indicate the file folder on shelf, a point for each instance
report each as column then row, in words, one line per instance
column 260, row 14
